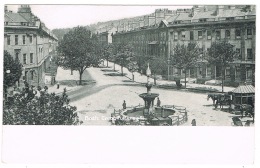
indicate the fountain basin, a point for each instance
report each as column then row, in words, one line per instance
column 149, row 96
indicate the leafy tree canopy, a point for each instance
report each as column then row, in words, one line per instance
column 221, row 53
column 185, row 56
column 45, row 109
column 12, row 70
column 79, row 50
column 124, row 54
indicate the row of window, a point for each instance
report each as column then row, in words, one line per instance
column 17, row 39
column 249, row 51
column 24, row 59
column 21, row 23
column 175, row 35
column 237, row 72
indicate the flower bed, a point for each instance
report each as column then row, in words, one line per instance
column 109, row 70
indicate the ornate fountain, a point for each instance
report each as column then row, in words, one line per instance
column 149, row 114
column 148, row 97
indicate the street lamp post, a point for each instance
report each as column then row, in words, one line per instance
column 168, row 66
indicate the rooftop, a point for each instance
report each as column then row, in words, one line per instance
column 14, row 17
column 244, row 89
column 231, row 13
column 204, row 15
column 183, row 16
column 25, row 19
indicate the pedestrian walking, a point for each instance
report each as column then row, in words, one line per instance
column 58, row 85
column 124, row 105
column 158, row 102
column 193, row 122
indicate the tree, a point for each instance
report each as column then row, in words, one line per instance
column 185, row 56
column 108, row 52
column 124, row 54
column 157, row 65
column 46, row 109
column 12, row 71
column 78, row 49
column 221, row 54
column 133, row 67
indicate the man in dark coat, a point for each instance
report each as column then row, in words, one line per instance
column 124, row 105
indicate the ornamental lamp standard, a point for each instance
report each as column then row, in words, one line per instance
column 5, row 85
column 148, row 84
column 148, row 73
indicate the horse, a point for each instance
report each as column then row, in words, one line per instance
column 214, row 97
column 223, row 99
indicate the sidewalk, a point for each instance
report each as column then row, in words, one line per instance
column 66, row 80
column 143, row 79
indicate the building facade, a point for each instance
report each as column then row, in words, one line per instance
column 203, row 25
column 28, row 40
column 104, row 34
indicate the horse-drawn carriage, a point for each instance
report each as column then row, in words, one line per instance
column 240, row 100
column 220, row 99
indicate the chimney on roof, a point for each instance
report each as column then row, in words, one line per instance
column 160, row 15
column 25, row 11
column 232, row 6
column 220, row 9
column 195, row 10
column 146, row 20
column 151, row 20
column 252, row 7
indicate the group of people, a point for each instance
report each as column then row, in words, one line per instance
column 30, row 92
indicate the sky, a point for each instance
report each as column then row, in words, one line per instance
column 66, row 16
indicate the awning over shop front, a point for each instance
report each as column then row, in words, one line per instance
column 244, row 89
column 244, row 94
column 153, row 42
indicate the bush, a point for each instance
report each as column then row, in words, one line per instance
column 231, row 83
column 46, row 109
column 206, row 89
column 201, row 80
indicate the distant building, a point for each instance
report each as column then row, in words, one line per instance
column 104, row 34
column 27, row 39
column 204, row 25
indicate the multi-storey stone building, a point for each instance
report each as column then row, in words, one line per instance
column 105, row 34
column 204, row 25
column 27, row 39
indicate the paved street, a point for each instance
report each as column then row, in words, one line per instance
column 96, row 101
